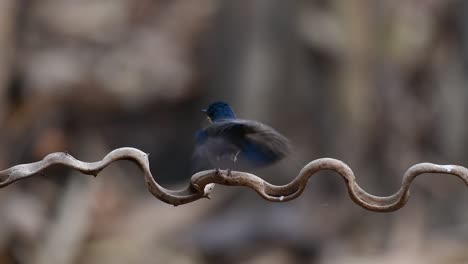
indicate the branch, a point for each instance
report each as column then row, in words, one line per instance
column 203, row 182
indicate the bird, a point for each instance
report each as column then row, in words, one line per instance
column 237, row 144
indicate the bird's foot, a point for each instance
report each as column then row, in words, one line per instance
column 234, row 157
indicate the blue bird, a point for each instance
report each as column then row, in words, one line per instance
column 237, row 144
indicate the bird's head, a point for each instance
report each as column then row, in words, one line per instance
column 219, row 111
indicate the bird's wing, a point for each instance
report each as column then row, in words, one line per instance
column 253, row 144
column 263, row 137
column 271, row 140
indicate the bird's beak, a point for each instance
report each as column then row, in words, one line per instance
column 206, row 112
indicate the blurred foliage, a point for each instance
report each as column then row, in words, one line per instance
column 379, row 84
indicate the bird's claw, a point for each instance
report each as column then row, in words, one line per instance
column 234, row 157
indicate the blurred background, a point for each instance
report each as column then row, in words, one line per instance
column 379, row 84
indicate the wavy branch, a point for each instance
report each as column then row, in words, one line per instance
column 203, row 182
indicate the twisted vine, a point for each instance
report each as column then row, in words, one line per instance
column 203, row 182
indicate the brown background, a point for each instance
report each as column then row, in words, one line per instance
column 380, row 84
